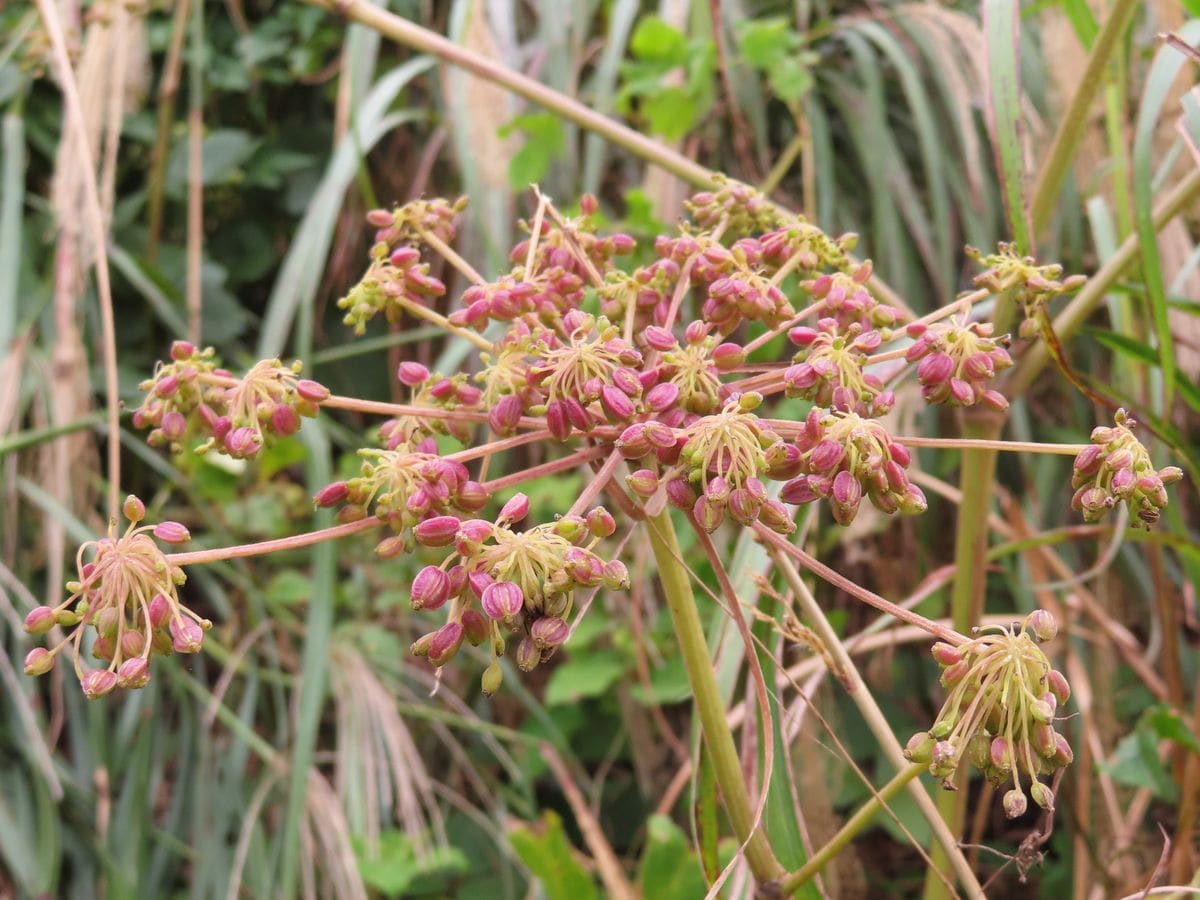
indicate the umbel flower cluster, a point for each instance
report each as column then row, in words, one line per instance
column 1000, row 715
column 648, row 366
column 127, row 596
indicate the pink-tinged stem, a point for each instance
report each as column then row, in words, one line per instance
column 597, row 484
column 859, row 593
column 294, row 542
column 788, row 427
column 549, row 468
column 519, row 440
column 784, row 328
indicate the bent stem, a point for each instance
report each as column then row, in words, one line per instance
column 876, row 721
column 855, row 824
column 718, row 739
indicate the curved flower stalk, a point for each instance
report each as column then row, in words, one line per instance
column 1115, row 467
column 1004, row 697
column 127, row 595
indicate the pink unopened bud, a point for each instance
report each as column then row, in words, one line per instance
column 472, row 496
column 412, row 374
column 945, row 654
column 549, row 632
column 430, row 589
column 134, row 673
column 166, row 386
column 332, row 494
column 476, row 629
column 1057, row 682
column 284, row 420
column 600, row 522
column 615, row 575
column 98, row 682
column 38, row 661
column 708, row 514
column 181, row 350
column 643, row 482
column 659, row 339
column 438, row 531
column 935, row 369
column 515, row 509
column 1043, row 624
column 728, row 356
column 40, row 620
column 186, row 635
column 445, row 643
column 502, row 600
column 505, row 415
column 172, row 532
column 312, row 391
column 662, row 396
column 616, row 404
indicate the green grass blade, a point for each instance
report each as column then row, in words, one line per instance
column 1001, row 25
column 12, row 201
column 1166, row 66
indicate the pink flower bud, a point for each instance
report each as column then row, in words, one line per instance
column 549, row 632
column 331, row 494
column 728, row 356
column 471, row 496
column 576, row 413
column 505, row 415
column 40, row 620
column 134, row 673
column 659, row 338
column 945, row 654
column 172, row 532
column 445, row 643
column 38, row 661
column 1043, row 624
column 616, row 404
column 166, row 386
column 186, row 635
column 98, row 682
column 502, row 600
column 600, row 522
column 935, row 369
column 438, row 531
column 1063, row 754
column 962, row 392
column 708, row 515
column 312, row 391
column 643, row 482
column 515, row 509
column 557, row 421
column 284, row 420
column 242, row 442
column 680, row 493
column 181, row 350
column 615, row 575
column 1058, row 685
column 430, row 589
column 476, row 629
column 662, row 396
column 412, row 374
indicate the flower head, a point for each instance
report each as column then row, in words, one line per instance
column 1116, row 467
column 127, row 594
column 845, row 299
column 844, row 457
column 957, row 361
column 829, row 369
column 1000, row 714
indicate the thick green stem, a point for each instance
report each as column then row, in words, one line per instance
column 1074, row 120
column 855, row 824
column 718, row 739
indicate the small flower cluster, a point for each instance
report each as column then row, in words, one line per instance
column 1000, row 714
column 845, row 299
column 394, row 278
column 741, row 208
column 1116, row 467
column 1033, row 286
column 431, row 392
column 830, row 369
column 723, row 457
column 811, row 247
column 128, row 595
column 524, row 582
column 693, row 368
column 407, row 489
column 956, row 362
column 844, row 456
column 189, row 395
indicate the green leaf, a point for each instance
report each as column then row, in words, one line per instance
column 288, row 587
column 394, row 867
column 668, row 684
column 670, row 870
column 655, row 41
column 545, row 139
column 1136, row 764
column 584, row 675
column 549, row 857
column 1169, row 725
column 671, row 111
column 765, row 42
column 1002, row 25
column 790, row 79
